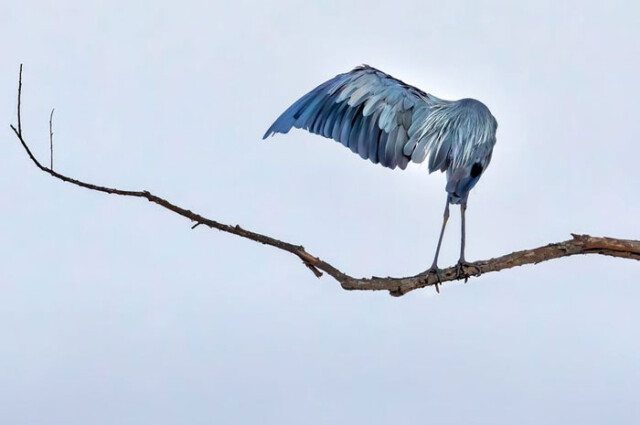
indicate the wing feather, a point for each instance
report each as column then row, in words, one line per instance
column 356, row 127
column 390, row 147
column 392, row 123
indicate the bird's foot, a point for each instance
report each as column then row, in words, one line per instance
column 461, row 270
column 435, row 270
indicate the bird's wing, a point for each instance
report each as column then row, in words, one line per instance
column 376, row 116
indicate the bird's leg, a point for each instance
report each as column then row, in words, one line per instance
column 462, row 263
column 463, row 209
column 434, row 267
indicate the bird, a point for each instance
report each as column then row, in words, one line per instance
column 392, row 123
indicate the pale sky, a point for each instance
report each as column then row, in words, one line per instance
column 112, row 311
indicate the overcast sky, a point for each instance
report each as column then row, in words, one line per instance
column 112, row 311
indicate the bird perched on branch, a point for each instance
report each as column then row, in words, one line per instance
column 392, row 123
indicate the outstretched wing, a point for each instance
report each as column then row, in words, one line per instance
column 376, row 116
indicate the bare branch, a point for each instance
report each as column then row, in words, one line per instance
column 51, row 139
column 579, row 244
column 19, row 102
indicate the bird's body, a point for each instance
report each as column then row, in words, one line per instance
column 392, row 123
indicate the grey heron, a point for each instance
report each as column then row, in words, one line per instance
column 391, row 123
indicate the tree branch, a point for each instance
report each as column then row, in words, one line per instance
column 579, row 244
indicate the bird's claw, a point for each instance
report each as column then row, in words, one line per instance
column 462, row 273
column 435, row 270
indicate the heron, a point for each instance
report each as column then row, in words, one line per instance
column 392, row 123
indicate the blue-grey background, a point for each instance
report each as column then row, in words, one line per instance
column 113, row 311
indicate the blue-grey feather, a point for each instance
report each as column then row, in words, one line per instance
column 339, row 84
column 347, row 125
column 356, row 128
column 382, row 146
column 391, row 147
column 372, row 104
column 374, row 142
column 437, row 161
column 368, row 139
column 347, row 90
column 387, row 119
column 311, row 110
column 363, row 148
column 337, row 120
column 401, row 140
column 284, row 123
column 359, row 96
column 330, row 119
column 317, row 121
column 407, row 102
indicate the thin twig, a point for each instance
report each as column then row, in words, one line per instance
column 579, row 244
column 51, row 138
column 19, row 100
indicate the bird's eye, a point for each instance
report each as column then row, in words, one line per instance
column 476, row 170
